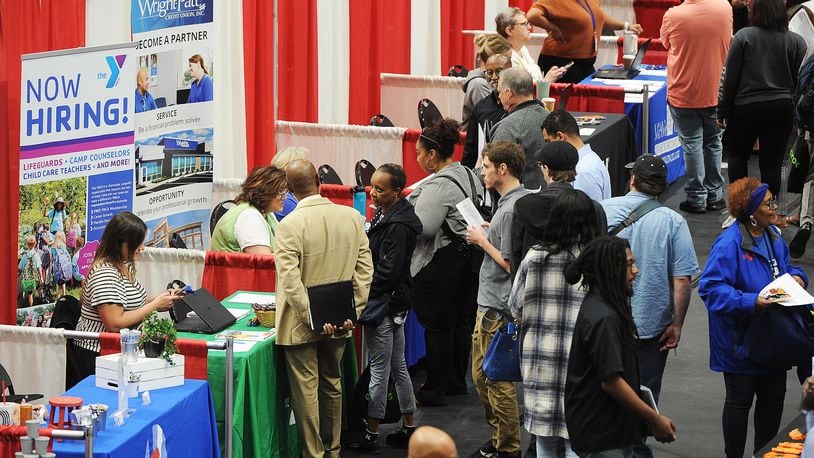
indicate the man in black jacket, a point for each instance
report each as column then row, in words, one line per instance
column 558, row 162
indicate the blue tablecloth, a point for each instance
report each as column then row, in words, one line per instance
column 185, row 414
column 663, row 139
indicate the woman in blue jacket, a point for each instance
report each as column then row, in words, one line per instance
column 745, row 258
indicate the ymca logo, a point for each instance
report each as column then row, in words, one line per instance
column 115, row 63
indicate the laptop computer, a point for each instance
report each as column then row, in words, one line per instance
column 200, row 312
column 621, row 73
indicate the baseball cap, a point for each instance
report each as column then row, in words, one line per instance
column 649, row 167
column 559, row 155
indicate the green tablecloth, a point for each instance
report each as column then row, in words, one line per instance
column 262, row 422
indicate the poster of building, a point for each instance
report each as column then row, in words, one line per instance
column 76, row 163
column 174, row 120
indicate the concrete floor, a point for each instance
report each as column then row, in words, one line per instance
column 692, row 395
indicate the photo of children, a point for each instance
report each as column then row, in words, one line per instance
column 52, row 220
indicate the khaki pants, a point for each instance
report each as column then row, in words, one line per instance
column 316, row 395
column 499, row 399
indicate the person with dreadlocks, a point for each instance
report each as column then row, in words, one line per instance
column 605, row 419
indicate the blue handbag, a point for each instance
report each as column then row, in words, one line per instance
column 502, row 360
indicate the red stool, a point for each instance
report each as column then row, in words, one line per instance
column 61, row 407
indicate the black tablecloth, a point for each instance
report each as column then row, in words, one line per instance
column 615, row 138
column 798, row 422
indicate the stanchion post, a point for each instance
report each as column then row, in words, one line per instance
column 89, row 441
column 645, row 119
column 229, row 388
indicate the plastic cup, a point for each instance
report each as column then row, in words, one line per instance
column 27, row 444
column 548, row 103
column 33, row 427
column 41, row 444
column 132, row 390
column 630, row 43
column 627, row 60
column 543, row 88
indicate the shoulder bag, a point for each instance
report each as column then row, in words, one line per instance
column 501, row 363
column 779, row 337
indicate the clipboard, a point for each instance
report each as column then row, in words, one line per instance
column 331, row 303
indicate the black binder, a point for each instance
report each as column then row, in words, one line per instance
column 331, row 303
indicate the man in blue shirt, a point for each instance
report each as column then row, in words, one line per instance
column 662, row 244
column 144, row 100
column 592, row 175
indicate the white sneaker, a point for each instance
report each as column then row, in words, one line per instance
column 730, row 220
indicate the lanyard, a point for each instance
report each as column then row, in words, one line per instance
column 590, row 11
column 773, row 265
column 772, row 259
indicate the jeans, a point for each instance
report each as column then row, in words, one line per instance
column 615, row 453
column 498, row 399
column 547, row 447
column 771, row 122
column 701, row 138
column 770, row 390
column 651, row 370
column 385, row 345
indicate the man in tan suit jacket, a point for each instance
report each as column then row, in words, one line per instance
column 318, row 243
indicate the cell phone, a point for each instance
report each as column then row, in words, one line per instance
column 568, row 65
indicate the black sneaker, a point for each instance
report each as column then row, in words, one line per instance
column 718, row 205
column 687, row 207
column 368, row 444
column 400, row 437
column 797, row 247
column 488, row 450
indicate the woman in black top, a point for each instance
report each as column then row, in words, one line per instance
column 606, row 416
column 756, row 102
column 392, row 236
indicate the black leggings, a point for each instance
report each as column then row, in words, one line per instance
column 444, row 302
column 581, row 69
column 770, row 390
column 770, row 122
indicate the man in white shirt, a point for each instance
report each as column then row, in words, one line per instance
column 592, row 175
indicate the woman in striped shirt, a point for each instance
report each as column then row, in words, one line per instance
column 113, row 298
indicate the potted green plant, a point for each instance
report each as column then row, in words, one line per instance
column 158, row 337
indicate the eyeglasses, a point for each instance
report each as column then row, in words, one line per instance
column 282, row 194
column 493, row 73
column 770, row 204
column 522, row 24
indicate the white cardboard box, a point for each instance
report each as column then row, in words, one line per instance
column 155, row 373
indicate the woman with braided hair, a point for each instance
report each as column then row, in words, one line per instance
column 607, row 417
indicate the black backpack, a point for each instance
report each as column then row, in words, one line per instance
column 66, row 313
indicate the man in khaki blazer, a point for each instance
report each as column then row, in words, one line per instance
column 318, row 243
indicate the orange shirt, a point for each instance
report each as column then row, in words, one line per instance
column 697, row 35
column 573, row 17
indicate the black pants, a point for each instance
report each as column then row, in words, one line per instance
column 80, row 364
column 444, row 301
column 581, row 69
column 770, row 122
column 770, row 390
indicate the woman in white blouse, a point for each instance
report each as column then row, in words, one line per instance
column 512, row 25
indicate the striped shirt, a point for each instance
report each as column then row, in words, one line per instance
column 106, row 285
